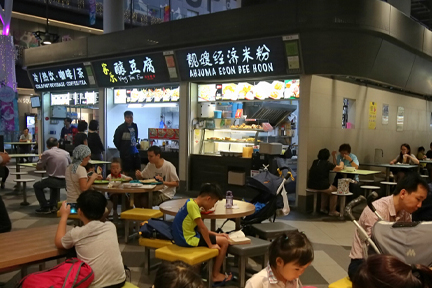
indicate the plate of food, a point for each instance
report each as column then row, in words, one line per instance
column 150, row 181
column 101, row 182
column 120, row 179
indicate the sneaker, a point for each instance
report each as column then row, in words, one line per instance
column 334, row 214
column 43, row 211
column 53, row 209
column 324, row 211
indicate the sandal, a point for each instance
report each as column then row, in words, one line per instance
column 223, row 282
column 334, row 214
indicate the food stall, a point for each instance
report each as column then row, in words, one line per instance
column 244, row 100
column 66, row 91
column 148, row 86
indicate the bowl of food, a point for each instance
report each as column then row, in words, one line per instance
column 127, row 185
column 115, row 183
column 350, row 169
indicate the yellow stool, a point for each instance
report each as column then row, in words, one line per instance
column 191, row 256
column 151, row 244
column 138, row 214
column 129, row 285
column 342, row 283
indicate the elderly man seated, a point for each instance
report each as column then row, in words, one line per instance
column 54, row 161
column 406, row 199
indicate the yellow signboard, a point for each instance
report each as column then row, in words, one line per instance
column 372, row 115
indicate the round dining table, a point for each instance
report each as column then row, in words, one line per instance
column 240, row 209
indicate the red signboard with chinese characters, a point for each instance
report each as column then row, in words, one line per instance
column 164, row 134
column 131, row 71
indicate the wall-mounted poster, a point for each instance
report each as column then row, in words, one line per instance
column 400, row 119
column 372, row 115
column 385, row 114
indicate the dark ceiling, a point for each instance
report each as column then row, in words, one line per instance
column 421, row 10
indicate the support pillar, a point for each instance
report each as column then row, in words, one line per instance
column 113, row 16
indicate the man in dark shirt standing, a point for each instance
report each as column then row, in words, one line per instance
column 67, row 129
column 125, row 139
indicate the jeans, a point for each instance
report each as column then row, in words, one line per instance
column 5, row 223
column 130, row 164
column 54, row 184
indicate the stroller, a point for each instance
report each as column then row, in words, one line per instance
column 404, row 240
column 272, row 200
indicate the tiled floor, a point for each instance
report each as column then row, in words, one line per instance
column 332, row 241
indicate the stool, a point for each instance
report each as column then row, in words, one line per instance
column 41, row 172
column 426, row 177
column 257, row 247
column 129, row 285
column 151, row 244
column 342, row 283
column 272, row 230
column 18, row 176
column 189, row 255
column 388, row 185
column 367, row 181
column 368, row 189
column 24, row 183
column 342, row 202
column 315, row 200
column 138, row 214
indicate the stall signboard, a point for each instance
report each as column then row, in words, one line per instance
column 68, row 77
column 133, row 70
column 164, row 134
column 257, row 58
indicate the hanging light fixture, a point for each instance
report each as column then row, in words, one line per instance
column 46, row 38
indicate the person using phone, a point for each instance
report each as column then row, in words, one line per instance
column 406, row 199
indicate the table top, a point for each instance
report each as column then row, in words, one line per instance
column 28, row 245
column 19, row 143
column 23, row 155
column 346, row 194
column 95, row 162
column 171, row 207
column 120, row 189
column 388, row 165
column 426, row 161
column 359, row 172
column 32, row 165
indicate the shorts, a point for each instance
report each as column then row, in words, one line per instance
column 203, row 243
column 159, row 198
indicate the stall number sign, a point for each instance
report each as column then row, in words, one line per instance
column 60, row 78
column 238, row 60
column 134, row 70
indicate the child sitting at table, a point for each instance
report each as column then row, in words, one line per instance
column 96, row 242
column 116, row 171
column 188, row 228
column 289, row 255
column 90, row 168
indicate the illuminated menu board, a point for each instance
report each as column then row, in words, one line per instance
column 60, row 78
column 123, row 96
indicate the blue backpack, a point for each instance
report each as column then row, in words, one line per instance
column 157, row 229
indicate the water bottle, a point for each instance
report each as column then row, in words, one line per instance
column 229, row 199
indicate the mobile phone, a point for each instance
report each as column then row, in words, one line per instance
column 90, row 174
column 73, row 208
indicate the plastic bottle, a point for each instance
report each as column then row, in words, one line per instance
column 229, row 200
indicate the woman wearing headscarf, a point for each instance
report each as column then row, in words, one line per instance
column 76, row 175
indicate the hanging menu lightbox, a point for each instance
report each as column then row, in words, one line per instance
column 131, row 71
column 257, row 58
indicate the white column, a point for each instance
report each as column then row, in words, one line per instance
column 113, row 16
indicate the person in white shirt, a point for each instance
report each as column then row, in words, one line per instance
column 162, row 171
column 289, row 255
column 96, row 242
column 24, row 148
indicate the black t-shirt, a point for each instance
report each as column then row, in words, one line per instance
column 428, row 154
column 319, row 174
column 79, row 139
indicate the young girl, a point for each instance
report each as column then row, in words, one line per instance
column 289, row 255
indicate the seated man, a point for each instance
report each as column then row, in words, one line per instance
column 161, row 170
column 54, row 161
column 24, row 148
column 406, row 199
column 96, row 242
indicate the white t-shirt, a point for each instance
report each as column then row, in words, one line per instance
column 168, row 173
column 72, row 183
column 27, row 138
column 96, row 244
column 262, row 280
column 122, row 176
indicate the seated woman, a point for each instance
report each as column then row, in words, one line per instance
column 386, row 271
column 76, row 175
column 319, row 180
column 404, row 157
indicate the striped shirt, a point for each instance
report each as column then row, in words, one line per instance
column 386, row 208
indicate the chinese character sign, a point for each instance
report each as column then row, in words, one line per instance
column 133, row 70
column 240, row 60
column 372, row 115
column 59, row 78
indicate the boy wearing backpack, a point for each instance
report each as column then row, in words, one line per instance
column 188, row 228
column 96, row 242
